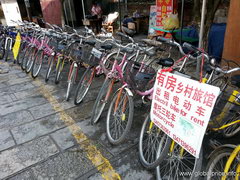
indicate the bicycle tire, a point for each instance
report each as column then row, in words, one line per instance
column 26, row 53
column 214, row 160
column 2, row 49
column 84, row 85
column 21, row 53
column 37, row 67
column 232, row 130
column 71, row 81
column 98, row 107
column 161, row 142
column 175, row 163
column 30, row 60
column 49, row 69
column 126, row 126
column 59, row 69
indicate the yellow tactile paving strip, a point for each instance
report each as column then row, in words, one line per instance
column 99, row 161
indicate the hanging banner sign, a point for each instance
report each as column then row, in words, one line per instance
column 182, row 107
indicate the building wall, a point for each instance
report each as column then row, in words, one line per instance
column 52, row 11
column 232, row 35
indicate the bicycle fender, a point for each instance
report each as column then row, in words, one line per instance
column 221, row 147
column 129, row 91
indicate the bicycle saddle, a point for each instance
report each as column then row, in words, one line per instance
column 150, row 53
column 235, row 80
column 107, row 46
column 167, row 62
column 127, row 50
column 90, row 42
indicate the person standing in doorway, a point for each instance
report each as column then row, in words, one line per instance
column 96, row 12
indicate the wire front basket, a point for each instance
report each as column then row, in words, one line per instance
column 90, row 55
column 139, row 76
column 224, row 111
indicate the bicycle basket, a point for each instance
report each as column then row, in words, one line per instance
column 53, row 43
column 221, row 112
column 139, row 76
column 76, row 53
column 61, row 47
column 90, row 55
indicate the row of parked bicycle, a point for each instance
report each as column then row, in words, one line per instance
column 132, row 66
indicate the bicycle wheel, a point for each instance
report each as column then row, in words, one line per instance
column 2, row 49
column 71, row 79
column 233, row 129
column 21, row 53
column 49, row 69
column 216, row 164
column 119, row 117
column 221, row 82
column 30, row 60
column 59, row 68
column 37, row 63
column 84, row 85
column 179, row 164
column 152, row 141
column 26, row 55
column 100, row 102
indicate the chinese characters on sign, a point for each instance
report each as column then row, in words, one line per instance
column 164, row 7
column 182, row 107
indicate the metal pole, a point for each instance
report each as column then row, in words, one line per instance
column 120, row 13
column 27, row 5
column 200, row 45
column 65, row 11
column 83, row 8
column 126, row 6
column 70, row 8
column 202, row 24
column 182, row 16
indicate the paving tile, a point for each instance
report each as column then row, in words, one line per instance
column 81, row 112
column 14, row 98
column 22, row 86
column 5, row 99
column 26, row 175
column 15, row 119
column 42, row 110
column 22, row 74
column 22, row 104
column 3, row 83
column 27, row 93
column 69, row 165
column 14, row 81
column 23, row 156
column 5, row 90
column 38, row 128
column 6, row 77
column 64, row 138
column 128, row 170
column 6, row 140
